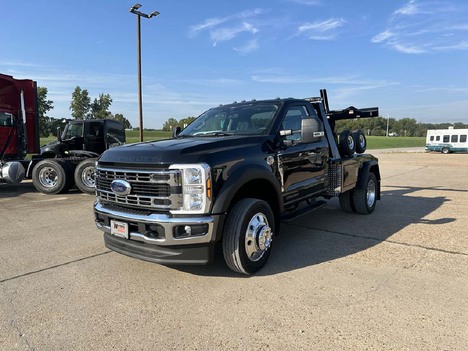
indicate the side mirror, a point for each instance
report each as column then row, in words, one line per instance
column 176, row 131
column 311, row 130
column 59, row 134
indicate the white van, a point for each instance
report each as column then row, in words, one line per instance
column 447, row 140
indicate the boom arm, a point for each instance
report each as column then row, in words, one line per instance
column 348, row 113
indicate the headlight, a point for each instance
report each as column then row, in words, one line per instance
column 196, row 188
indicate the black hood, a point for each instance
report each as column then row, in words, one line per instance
column 180, row 150
column 55, row 147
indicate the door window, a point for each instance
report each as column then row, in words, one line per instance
column 293, row 120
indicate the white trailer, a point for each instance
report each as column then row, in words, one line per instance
column 447, row 140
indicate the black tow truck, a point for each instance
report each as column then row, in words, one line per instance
column 228, row 180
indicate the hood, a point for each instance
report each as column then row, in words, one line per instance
column 179, row 150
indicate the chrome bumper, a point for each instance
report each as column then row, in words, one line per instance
column 103, row 215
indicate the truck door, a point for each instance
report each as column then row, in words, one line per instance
column 73, row 135
column 94, row 137
column 302, row 166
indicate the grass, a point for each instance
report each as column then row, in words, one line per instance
column 133, row 136
column 382, row 142
column 373, row 142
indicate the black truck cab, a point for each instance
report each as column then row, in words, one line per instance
column 92, row 135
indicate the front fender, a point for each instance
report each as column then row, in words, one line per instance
column 240, row 178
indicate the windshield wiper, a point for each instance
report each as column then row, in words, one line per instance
column 217, row 134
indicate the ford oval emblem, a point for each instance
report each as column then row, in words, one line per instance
column 121, row 187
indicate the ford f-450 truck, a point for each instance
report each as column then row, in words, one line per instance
column 228, row 180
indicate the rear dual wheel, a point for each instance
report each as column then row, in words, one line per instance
column 85, row 176
column 363, row 200
column 52, row 176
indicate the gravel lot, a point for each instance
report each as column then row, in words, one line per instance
column 394, row 280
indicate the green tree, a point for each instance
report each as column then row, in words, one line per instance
column 80, row 104
column 43, row 106
column 170, row 124
column 184, row 122
column 99, row 109
column 121, row 118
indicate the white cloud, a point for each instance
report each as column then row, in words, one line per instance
column 354, row 81
column 382, row 36
column 250, row 46
column 463, row 45
column 421, row 27
column 307, row 2
column 228, row 33
column 323, row 30
column 411, row 8
column 209, row 23
column 230, row 27
column 408, row 49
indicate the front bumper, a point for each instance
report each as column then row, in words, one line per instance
column 159, row 237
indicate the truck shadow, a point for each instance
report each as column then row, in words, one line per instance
column 25, row 187
column 12, row 190
column 329, row 233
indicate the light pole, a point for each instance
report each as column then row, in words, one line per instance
column 388, row 121
column 134, row 9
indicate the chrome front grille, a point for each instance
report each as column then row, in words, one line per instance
column 155, row 189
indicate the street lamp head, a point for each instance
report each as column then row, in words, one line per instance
column 153, row 14
column 135, row 7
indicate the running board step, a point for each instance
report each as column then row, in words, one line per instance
column 288, row 217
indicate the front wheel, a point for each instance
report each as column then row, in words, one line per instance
column 248, row 235
column 365, row 199
column 445, row 150
column 85, row 176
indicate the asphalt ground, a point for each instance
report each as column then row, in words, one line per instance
column 394, row 280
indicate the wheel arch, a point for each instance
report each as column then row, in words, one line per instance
column 369, row 167
column 250, row 183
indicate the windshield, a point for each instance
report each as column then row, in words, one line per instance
column 6, row 119
column 229, row 120
column 72, row 130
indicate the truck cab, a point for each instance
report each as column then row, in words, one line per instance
column 92, row 136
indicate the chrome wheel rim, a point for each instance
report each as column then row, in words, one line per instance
column 258, row 237
column 371, row 193
column 88, row 177
column 351, row 142
column 48, row 177
column 362, row 142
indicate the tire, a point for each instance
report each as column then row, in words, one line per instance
column 85, row 176
column 52, row 177
column 248, row 234
column 347, row 143
column 361, row 141
column 445, row 150
column 347, row 201
column 365, row 199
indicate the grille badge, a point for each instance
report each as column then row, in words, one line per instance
column 121, row 187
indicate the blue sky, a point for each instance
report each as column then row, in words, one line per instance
column 408, row 57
